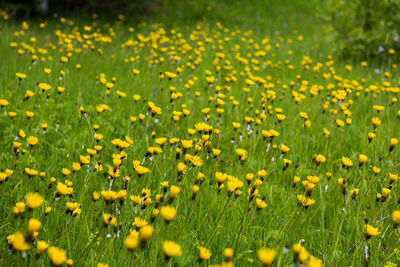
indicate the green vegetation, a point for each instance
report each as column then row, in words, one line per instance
column 232, row 131
column 365, row 29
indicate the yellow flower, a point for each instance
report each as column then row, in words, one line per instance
column 33, row 200
column 204, row 254
column 47, row 210
column 342, row 182
column 354, row 192
column 313, row 179
column 195, row 189
column 170, row 75
column 76, row 166
column 84, row 159
column 109, row 219
column 314, row 262
column 60, row 89
column 385, row 192
column 262, row 173
column 21, row 133
column 28, row 94
column 396, row 217
column 154, row 214
column 95, row 196
column 216, row 152
column 91, row 152
column 376, row 121
column 19, row 208
column 171, row 249
column 393, row 177
column 235, row 125
column 393, row 142
column 65, row 171
column 210, row 79
column 362, row 159
column 371, row 136
column 63, row 189
column 41, row 246
column 57, row 255
column 308, row 186
column 3, row 102
column 18, row 242
column 181, row 168
column 31, row 172
column 347, row 162
column 280, row 117
column 146, row 232
column 260, row 204
column 249, row 177
column 135, row 71
column 131, row 242
column 371, row 231
column 339, row 123
column 266, row 256
column 33, row 226
column 44, row 86
column 20, row 75
column 32, row 140
column 220, row 177
column 174, row 191
column 241, row 153
column 109, row 196
column 139, row 223
column 168, row 213
column 305, row 201
column 320, row 159
column 47, row 71
column 378, row 108
column 141, row 170
column 284, row 148
column 196, row 161
column 301, row 253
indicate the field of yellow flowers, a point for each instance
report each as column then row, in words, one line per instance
column 148, row 145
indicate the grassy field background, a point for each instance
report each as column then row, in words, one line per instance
column 332, row 229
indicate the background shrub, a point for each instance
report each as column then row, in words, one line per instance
column 365, row 29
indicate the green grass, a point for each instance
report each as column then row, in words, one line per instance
column 216, row 220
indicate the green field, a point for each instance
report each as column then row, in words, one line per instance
column 243, row 122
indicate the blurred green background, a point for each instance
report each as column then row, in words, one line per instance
column 361, row 29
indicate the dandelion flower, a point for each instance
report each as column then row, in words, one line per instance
column 371, row 231
column 57, row 255
column 204, row 254
column 171, row 249
column 168, row 213
column 33, row 200
column 266, row 256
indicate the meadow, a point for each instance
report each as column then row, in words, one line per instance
column 195, row 144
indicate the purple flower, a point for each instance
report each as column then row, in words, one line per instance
column 381, row 49
column 377, row 71
column 396, row 38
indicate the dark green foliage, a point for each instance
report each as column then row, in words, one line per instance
column 34, row 8
column 365, row 29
